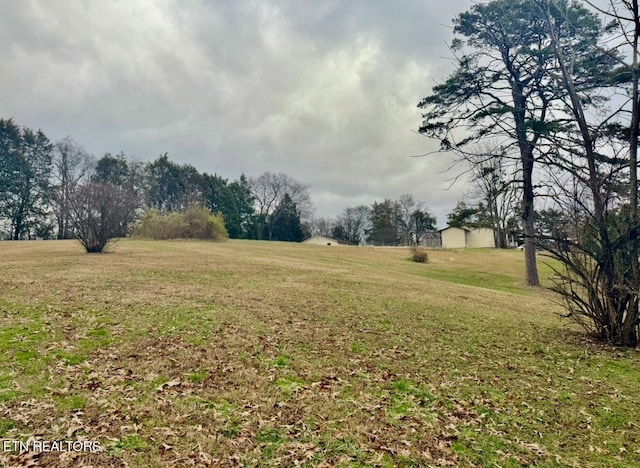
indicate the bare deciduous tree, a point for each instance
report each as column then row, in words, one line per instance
column 100, row 213
column 71, row 163
column 269, row 191
column 494, row 179
column 320, row 226
column 352, row 224
column 406, row 205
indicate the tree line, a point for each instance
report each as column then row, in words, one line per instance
column 403, row 221
column 47, row 187
column 58, row 190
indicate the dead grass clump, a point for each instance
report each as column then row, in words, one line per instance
column 419, row 255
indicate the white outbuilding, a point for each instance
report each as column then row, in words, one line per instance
column 480, row 237
column 321, row 240
column 453, row 238
column 459, row 238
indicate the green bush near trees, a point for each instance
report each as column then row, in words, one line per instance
column 194, row 223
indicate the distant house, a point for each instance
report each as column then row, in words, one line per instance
column 322, row 240
column 459, row 238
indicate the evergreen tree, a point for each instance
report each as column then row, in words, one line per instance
column 25, row 168
column 506, row 85
column 113, row 170
column 383, row 227
column 239, row 214
column 422, row 222
column 166, row 185
column 287, row 225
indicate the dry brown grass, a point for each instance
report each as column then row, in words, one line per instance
column 274, row 354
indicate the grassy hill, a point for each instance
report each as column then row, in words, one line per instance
column 271, row 354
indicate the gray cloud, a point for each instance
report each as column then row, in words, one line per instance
column 324, row 91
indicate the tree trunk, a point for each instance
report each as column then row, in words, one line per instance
column 498, row 231
column 630, row 324
column 527, row 159
column 528, row 222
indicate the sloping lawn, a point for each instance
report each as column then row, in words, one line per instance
column 271, row 354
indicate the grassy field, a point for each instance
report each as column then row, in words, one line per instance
column 270, row 354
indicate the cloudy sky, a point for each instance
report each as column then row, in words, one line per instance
column 325, row 91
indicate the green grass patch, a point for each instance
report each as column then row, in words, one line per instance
column 281, row 361
column 479, row 279
column 289, row 385
column 70, row 402
column 8, row 395
column 132, row 442
column 6, row 425
column 71, row 359
column 197, row 377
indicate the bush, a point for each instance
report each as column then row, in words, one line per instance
column 419, row 255
column 596, row 279
column 101, row 212
column 201, row 224
column 195, row 223
column 154, row 225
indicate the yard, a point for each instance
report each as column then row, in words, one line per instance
column 274, row 354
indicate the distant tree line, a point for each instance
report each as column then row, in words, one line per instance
column 403, row 221
column 47, row 190
column 57, row 190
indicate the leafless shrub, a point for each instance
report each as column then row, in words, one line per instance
column 100, row 213
column 419, row 255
